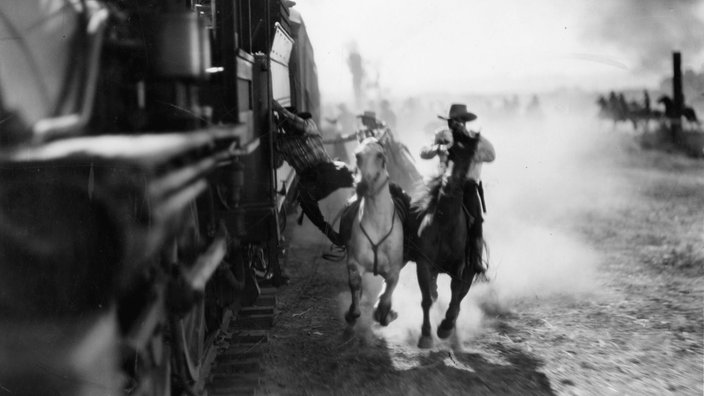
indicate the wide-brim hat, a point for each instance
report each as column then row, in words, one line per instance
column 368, row 114
column 369, row 119
column 459, row 112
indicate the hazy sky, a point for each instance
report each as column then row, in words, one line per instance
column 502, row 45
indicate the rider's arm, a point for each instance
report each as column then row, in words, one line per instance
column 485, row 150
column 443, row 141
column 429, row 152
column 432, row 151
column 290, row 122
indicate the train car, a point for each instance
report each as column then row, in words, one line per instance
column 142, row 201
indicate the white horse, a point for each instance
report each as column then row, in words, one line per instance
column 376, row 242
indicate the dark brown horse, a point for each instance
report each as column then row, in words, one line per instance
column 441, row 246
column 670, row 112
column 618, row 110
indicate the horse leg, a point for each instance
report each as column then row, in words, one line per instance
column 383, row 313
column 425, row 281
column 460, row 287
column 434, row 287
column 355, row 282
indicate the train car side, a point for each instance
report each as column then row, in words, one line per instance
column 141, row 200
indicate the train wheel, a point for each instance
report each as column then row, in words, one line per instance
column 162, row 371
column 190, row 340
column 189, row 330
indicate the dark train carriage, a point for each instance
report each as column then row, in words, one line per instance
column 141, row 197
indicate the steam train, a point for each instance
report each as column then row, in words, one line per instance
column 141, row 196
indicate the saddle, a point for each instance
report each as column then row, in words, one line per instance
column 402, row 203
column 409, row 216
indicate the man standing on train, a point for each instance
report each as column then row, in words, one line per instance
column 301, row 145
column 473, row 191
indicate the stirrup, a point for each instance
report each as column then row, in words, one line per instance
column 337, row 253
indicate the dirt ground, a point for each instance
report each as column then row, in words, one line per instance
column 635, row 327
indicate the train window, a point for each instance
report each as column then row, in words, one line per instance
column 244, row 94
column 244, row 24
column 280, row 54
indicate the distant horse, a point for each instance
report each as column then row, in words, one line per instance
column 688, row 112
column 622, row 111
column 614, row 110
column 442, row 241
column 376, row 242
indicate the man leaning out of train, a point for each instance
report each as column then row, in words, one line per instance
column 300, row 143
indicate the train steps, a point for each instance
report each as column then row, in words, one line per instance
column 237, row 367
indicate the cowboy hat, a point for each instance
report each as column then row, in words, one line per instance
column 459, row 112
column 369, row 120
column 368, row 114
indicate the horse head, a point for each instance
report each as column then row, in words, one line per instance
column 669, row 106
column 371, row 162
column 664, row 99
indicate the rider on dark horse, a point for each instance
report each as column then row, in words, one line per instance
column 473, row 191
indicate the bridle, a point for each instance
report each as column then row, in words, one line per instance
column 378, row 189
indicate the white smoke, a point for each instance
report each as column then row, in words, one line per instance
column 547, row 176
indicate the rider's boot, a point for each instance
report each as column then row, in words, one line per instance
column 332, row 235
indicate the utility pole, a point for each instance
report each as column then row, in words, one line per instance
column 677, row 95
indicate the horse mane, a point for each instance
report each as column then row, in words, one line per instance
column 426, row 201
column 465, row 148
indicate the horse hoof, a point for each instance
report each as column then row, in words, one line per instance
column 351, row 317
column 379, row 317
column 385, row 320
column 392, row 316
column 444, row 331
column 425, row 342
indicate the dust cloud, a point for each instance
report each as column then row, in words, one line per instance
column 648, row 30
column 548, row 174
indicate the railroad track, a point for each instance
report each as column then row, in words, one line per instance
column 240, row 347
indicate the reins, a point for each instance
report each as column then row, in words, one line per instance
column 373, row 193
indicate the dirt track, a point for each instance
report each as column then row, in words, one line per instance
column 635, row 327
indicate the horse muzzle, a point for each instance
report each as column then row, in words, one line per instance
column 362, row 188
